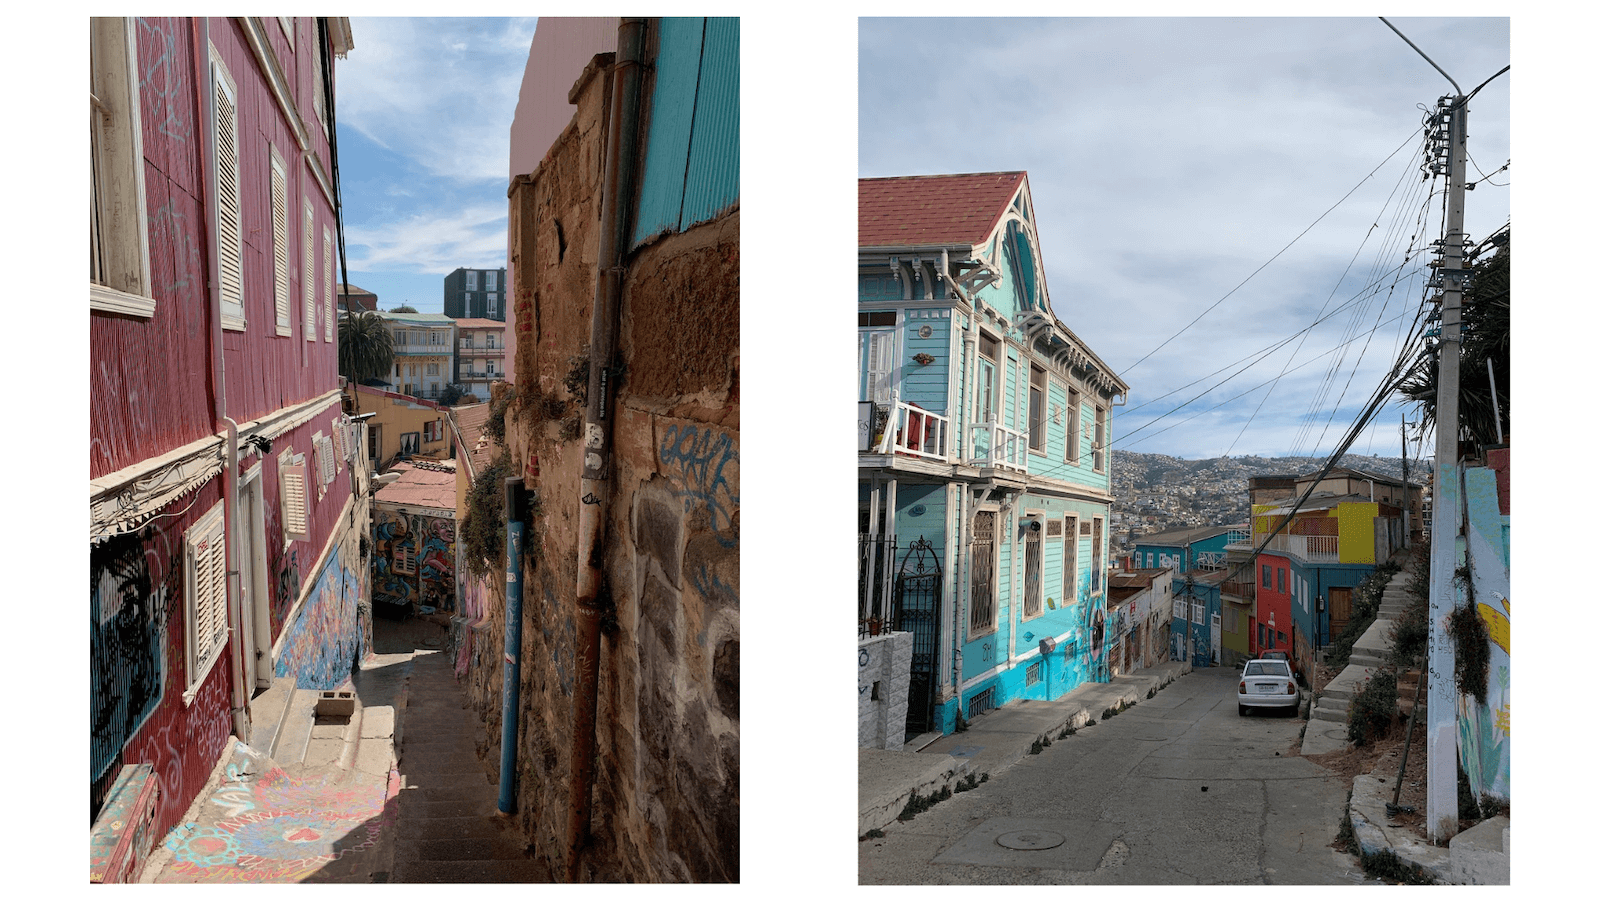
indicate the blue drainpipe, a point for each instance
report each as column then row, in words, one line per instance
column 513, row 660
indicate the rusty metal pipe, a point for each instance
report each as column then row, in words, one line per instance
column 594, row 486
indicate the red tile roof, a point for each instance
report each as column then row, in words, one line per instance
column 431, row 484
column 923, row 210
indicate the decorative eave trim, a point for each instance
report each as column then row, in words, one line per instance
column 126, row 499
column 268, row 63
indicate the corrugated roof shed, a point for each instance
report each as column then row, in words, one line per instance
column 933, row 210
column 430, row 483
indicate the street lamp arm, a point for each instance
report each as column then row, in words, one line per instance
column 1424, row 55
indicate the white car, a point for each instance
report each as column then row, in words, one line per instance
column 1267, row 683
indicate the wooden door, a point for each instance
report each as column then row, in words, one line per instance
column 1338, row 610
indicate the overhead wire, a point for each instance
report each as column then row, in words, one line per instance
column 1274, row 256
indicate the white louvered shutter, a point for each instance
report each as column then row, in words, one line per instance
column 280, row 245
column 208, row 593
column 338, row 443
column 225, row 140
column 327, row 283
column 308, row 270
column 325, row 460
column 292, row 483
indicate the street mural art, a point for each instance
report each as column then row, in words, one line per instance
column 474, row 613
column 326, row 640
column 413, row 559
column 127, row 631
column 277, row 828
column 1484, row 729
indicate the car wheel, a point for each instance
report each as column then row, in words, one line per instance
column 1241, row 709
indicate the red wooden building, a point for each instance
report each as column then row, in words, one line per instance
column 226, row 503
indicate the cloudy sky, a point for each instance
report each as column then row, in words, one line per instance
column 424, row 109
column 1169, row 159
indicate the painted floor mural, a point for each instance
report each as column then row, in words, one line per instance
column 275, row 828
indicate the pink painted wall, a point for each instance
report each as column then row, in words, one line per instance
column 562, row 46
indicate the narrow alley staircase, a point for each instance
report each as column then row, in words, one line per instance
column 447, row 830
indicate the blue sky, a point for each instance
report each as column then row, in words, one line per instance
column 424, row 109
column 1169, row 159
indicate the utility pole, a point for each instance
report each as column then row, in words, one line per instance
column 1450, row 120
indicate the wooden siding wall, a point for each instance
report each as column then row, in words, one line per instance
column 150, row 380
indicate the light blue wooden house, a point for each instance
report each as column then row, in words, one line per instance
column 983, row 428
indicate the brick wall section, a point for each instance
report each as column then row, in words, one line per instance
column 1500, row 462
column 665, row 803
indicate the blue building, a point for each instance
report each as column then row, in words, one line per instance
column 1200, row 559
column 983, row 427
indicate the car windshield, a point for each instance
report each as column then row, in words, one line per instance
column 1266, row 667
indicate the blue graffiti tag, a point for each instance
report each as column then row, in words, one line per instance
column 701, row 458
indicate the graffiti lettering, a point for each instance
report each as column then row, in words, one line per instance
column 703, row 460
column 127, row 665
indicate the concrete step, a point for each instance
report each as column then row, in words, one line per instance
column 477, row 871
column 268, row 712
column 1329, row 716
column 419, row 805
column 458, row 849
column 451, row 828
column 295, row 736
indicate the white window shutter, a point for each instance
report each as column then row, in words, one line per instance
column 308, row 270
column 325, row 460
column 225, row 141
column 280, row 244
column 206, row 610
column 327, row 284
column 292, row 482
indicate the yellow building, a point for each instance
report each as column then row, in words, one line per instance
column 401, row 426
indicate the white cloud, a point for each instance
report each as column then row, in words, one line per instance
column 435, row 243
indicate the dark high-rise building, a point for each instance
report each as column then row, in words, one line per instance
column 475, row 294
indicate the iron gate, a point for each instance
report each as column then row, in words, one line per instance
column 918, row 587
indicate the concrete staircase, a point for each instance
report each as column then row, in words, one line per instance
column 1370, row 652
column 448, row 830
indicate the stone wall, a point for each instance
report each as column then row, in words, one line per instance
column 883, row 686
column 665, row 801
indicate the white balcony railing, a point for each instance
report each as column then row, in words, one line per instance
column 993, row 444
column 1307, row 547
column 914, row 431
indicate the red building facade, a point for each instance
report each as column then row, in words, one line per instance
column 1273, row 625
column 225, row 490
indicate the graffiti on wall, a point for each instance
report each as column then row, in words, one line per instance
column 127, row 632
column 1484, row 729
column 474, row 612
column 326, row 640
column 413, row 559
column 706, row 462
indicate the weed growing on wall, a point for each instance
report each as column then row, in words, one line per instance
column 1466, row 629
column 483, row 531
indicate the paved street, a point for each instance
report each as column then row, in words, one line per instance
column 1176, row 790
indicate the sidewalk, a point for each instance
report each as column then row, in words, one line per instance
column 992, row 743
column 355, row 801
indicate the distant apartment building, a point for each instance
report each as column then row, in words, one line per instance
column 475, row 294
column 356, row 299
column 480, row 355
column 423, row 353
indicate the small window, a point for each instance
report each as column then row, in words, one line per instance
column 327, row 284
column 472, row 281
column 1074, row 426
column 491, row 281
column 1099, row 438
column 1037, row 383
column 875, row 319
column 292, row 486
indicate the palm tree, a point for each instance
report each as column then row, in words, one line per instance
column 1485, row 341
column 366, row 349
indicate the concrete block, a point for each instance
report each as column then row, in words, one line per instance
column 336, row 703
column 1481, row 854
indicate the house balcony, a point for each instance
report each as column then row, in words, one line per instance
column 1238, row 539
column 1312, row 548
column 994, row 445
column 905, row 429
column 1242, row 589
column 481, row 352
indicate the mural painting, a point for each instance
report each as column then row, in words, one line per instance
column 127, row 624
column 1484, row 728
column 474, row 613
column 413, row 559
column 277, row 828
column 326, row 641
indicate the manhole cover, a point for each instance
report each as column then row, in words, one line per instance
column 1030, row 840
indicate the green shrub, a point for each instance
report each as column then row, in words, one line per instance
column 1373, row 711
column 1410, row 634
